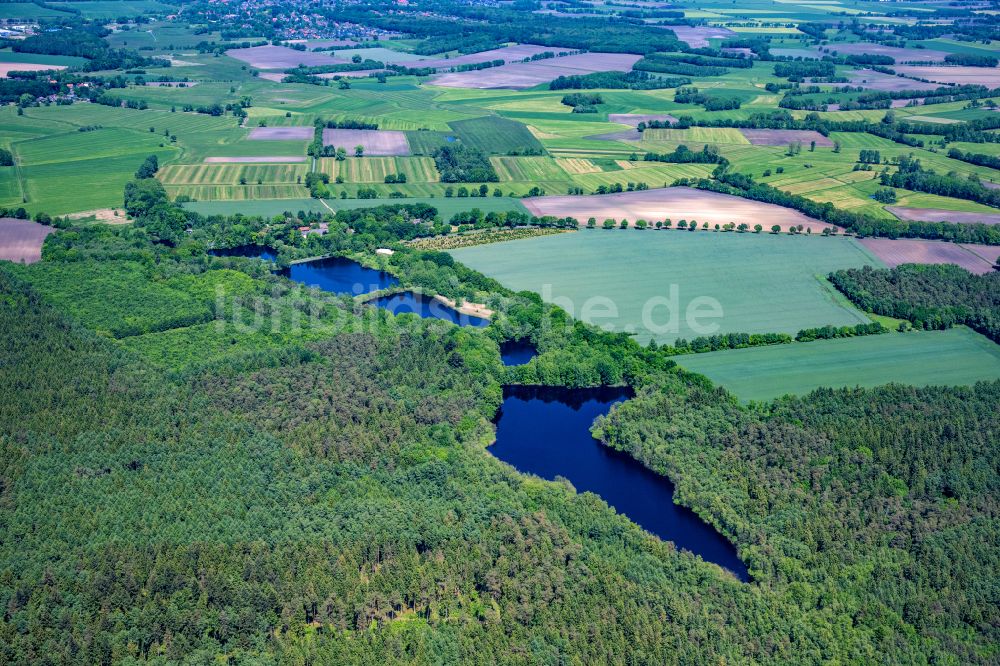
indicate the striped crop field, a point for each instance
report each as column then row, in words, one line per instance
column 577, row 165
column 230, row 174
column 696, row 135
column 524, row 169
column 375, row 169
column 237, row 192
column 655, row 175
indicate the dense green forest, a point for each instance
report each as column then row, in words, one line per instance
column 284, row 475
column 928, row 296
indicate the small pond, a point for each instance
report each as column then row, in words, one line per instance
column 426, row 307
column 546, row 431
column 517, row 352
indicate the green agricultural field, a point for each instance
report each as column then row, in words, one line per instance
column 7, row 55
column 446, row 206
column 375, row 169
column 496, row 135
column 953, row 357
column 77, row 171
column 232, row 174
column 762, row 283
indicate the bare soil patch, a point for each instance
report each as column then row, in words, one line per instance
column 375, row 142
column 281, row 57
column 277, row 77
column 509, row 54
column 697, row 37
column 911, row 251
column 7, row 67
column 939, row 215
column 522, row 75
column 633, row 119
column 105, row 215
column 21, row 240
column 769, row 137
column 281, row 134
column 270, row 159
column 673, row 203
column 985, row 76
column 867, row 78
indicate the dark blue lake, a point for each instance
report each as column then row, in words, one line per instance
column 426, row 307
column 249, row 251
column 546, row 431
column 339, row 276
column 517, row 352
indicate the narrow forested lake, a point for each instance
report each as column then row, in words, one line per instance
column 426, row 307
column 546, row 431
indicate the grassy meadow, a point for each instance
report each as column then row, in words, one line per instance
column 762, row 283
column 956, row 356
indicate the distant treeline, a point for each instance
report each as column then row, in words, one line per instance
column 633, row 80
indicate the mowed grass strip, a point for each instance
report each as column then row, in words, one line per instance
column 954, row 357
column 375, row 169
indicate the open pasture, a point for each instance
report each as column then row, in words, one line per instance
column 529, row 74
column 76, row 171
column 769, row 137
column 633, row 281
column 281, row 57
column 374, row 142
column 957, row 356
column 893, row 252
column 281, row 134
column 21, row 240
column 674, row 203
column 375, row 169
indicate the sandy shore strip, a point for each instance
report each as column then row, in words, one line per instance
column 474, row 309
